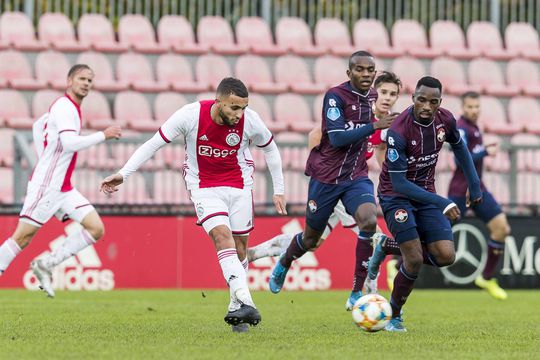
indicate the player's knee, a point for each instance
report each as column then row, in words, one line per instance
column 22, row 240
column 500, row 233
column 368, row 223
column 413, row 263
column 97, row 231
column 446, row 259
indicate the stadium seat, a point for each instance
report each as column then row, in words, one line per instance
column 166, row 104
column 16, row 30
column 133, row 108
column 96, row 31
column 487, row 74
column 211, row 69
column 527, row 185
column 293, row 71
column 493, row 117
column 318, row 106
column 14, row 110
column 452, row 75
column 410, row 37
column 527, row 159
column 52, row 68
column 525, row 112
column 446, row 162
column 175, row 71
column 6, row 186
column 42, row 101
column 332, row 35
column 260, row 184
column 403, row 102
column 294, row 34
column 498, row 186
column 103, row 72
column 169, row 188
column 254, row 32
column 258, row 103
column 207, row 95
column 175, row 32
column 7, row 152
column 409, row 70
column 452, row 103
column 498, row 163
column 295, row 153
column 330, row 71
column 371, row 34
column 523, row 39
column 293, row 110
column 448, row 37
column 96, row 112
column 56, row 29
column 485, row 37
column 255, row 73
column 135, row 31
column 296, row 184
column 174, row 155
column 216, row 32
column 135, row 70
column 15, row 71
column 525, row 75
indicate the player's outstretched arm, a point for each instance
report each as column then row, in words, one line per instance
column 73, row 142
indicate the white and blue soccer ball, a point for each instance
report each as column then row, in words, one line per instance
column 371, row 312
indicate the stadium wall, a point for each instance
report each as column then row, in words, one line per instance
column 173, row 252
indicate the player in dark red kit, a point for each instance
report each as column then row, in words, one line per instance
column 417, row 217
column 489, row 210
column 338, row 169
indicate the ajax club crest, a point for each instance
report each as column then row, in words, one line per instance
column 232, row 139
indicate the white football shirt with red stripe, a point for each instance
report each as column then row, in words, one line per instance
column 55, row 165
column 216, row 155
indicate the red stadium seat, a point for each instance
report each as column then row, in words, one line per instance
column 527, row 159
column 498, row 163
column 403, row 102
column 258, row 103
column 169, row 188
column 523, row 39
column 208, row 95
column 254, row 32
column 103, row 73
column 485, row 37
column 96, row 110
column 136, row 31
column 211, row 69
column 452, row 75
column 370, row 34
column 527, row 185
column 452, row 103
column 133, row 108
column 409, row 70
column 294, row 34
column 255, row 73
column 14, row 110
column 175, row 31
column 410, row 37
column 17, row 30
column 296, row 184
column 332, row 35
column 136, row 71
column 166, row 104
column 525, row 112
column 525, row 75
column 318, row 103
column 96, row 31
column 216, row 32
column 330, row 71
column 493, row 117
column 52, row 68
column 293, row 110
column 7, row 153
column 42, row 101
column 6, row 186
column 293, row 71
column 448, row 37
column 488, row 76
column 175, row 71
column 15, row 72
column 56, row 29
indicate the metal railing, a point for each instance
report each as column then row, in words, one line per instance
column 499, row 12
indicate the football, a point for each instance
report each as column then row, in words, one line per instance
column 371, row 312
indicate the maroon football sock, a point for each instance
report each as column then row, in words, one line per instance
column 364, row 250
column 403, row 286
column 495, row 250
column 295, row 250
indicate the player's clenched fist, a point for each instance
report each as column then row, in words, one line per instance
column 113, row 132
column 452, row 212
column 111, row 182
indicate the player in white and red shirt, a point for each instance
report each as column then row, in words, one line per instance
column 50, row 192
column 218, row 172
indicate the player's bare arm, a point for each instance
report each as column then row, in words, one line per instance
column 314, row 137
column 385, row 121
column 113, row 132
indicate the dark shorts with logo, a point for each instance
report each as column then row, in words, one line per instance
column 408, row 220
column 486, row 210
column 323, row 198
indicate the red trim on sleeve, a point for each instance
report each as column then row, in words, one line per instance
column 67, row 130
column 268, row 143
column 163, row 136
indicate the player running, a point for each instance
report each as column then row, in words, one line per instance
column 50, row 192
column 338, row 168
column 417, row 217
column 489, row 210
column 218, row 173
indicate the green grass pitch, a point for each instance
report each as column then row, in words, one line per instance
column 296, row 325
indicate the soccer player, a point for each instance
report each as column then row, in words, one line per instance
column 338, row 169
column 388, row 86
column 489, row 210
column 50, row 192
column 417, row 217
column 218, row 173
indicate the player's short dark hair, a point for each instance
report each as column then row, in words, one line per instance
column 430, row 82
column 469, row 95
column 76, row 68
column 356, row 54
column 388, row 77
column 232, row 86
